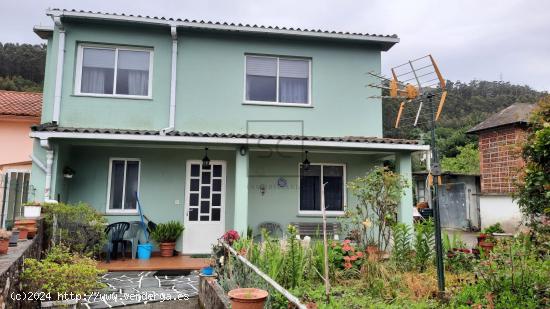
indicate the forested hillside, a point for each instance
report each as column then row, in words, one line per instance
column 22, row 66
column 467, row 104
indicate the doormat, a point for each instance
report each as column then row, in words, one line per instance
column 172, row 272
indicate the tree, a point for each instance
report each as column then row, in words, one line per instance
column 466, row 162
column 22, row 66
column 533, row 194
column 379, row 194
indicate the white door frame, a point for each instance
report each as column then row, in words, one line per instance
column 187, row 191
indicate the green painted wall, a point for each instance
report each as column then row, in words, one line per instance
column 211, row 87
column 49, row 78
column 282, row 204
column 210, row 84
column 95, row 112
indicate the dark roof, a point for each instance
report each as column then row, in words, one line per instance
column 446, row 173
column 14, row 103
column 517, row 113
column 227, row 25
column 48, row 127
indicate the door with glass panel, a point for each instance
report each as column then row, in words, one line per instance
column 204, row 206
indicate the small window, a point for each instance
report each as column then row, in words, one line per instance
column 123, row 185
column 277, row 80
column 311, row 181
column 114, row 71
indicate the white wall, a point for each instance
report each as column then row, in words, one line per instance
column 499, row 209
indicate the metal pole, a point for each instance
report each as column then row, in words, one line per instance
column 435, row 171
column 325, row 243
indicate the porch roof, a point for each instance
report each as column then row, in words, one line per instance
column 48, row 130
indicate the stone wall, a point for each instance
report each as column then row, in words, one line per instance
column 11, row 265
column 211, row 294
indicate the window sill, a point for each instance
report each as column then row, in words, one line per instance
column 330, row 214
column 302, row 105
column 131, row 97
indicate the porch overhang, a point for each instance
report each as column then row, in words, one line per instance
column 348, row 142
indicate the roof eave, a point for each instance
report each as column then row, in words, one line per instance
column 227, row 140
column 43, row 32
column 386, row 42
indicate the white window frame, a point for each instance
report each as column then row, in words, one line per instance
column 331, row 213
column 122, row 210
column 116, row 48
column 276, row 102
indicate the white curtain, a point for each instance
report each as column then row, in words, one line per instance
column 138, row 82
column 293, row 81
column 93, row 80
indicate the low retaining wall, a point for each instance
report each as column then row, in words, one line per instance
column 211, row 294
column 11, row 265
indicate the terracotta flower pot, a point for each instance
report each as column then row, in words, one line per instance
column 23, row 233
column 373, row 253
column 167, row 248
column 247, row 298
column 481, row 238
column 31, row 232
column 4, row 244
column 486, row 246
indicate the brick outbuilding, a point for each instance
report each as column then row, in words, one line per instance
column 500, row 139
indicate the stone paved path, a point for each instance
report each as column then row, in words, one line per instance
column 139, row 287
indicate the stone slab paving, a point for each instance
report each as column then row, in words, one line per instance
column 142, row 287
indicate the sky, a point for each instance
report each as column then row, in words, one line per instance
column 470, row 39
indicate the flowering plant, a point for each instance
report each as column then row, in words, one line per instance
column 345, row 255
column 231, row 236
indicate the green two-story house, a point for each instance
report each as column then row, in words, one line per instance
column 220, row 126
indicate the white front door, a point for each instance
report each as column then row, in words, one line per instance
column 204, row 206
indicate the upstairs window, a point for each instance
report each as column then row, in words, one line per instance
column 114, row 71
column 123, row 185
column 311, row 181
column 277, row 80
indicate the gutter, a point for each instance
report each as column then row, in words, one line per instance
column 228, row 140
column 59, row 68
column 172, row 119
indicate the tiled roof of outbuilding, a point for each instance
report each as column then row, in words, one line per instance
column 516, row 113
column 16, row 103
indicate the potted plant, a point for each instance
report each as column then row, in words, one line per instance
column 166, row 234
column 247, row 298
column 32, row 210
column 4, row 241
column 23, row 232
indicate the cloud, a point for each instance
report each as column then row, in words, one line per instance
column 470, row 39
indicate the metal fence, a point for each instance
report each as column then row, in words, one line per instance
column 14, row 190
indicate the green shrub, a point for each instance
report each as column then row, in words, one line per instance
column 495, row 228
column 513, row 275
column 167, row 232
column 424, row 244
column 401, row 254
column 78, row 227
column 61, row 272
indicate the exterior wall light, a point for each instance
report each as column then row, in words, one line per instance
column 205, row 159
column 306, row 163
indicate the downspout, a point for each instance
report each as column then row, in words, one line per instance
column 49, row 163
column 59, row 69
column 172, row 120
